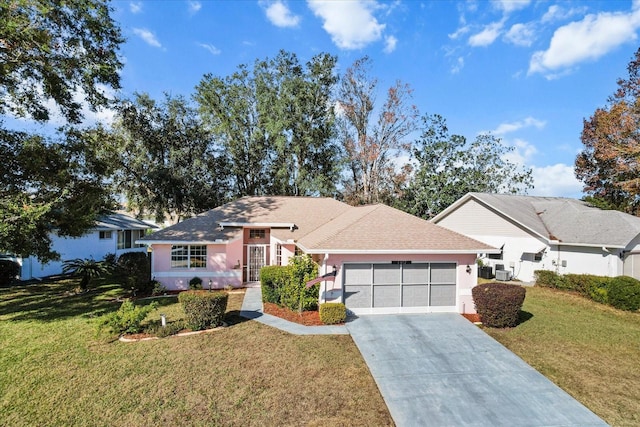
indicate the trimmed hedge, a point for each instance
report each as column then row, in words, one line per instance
column 9, row 271
column 203, row 309
column 332, row 313
column 498, row 304
column 195, row 283
column 272, row 280
column 624, row 293
column 588, row 285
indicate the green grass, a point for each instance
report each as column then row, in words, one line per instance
column 590, row 350
column 55, row 370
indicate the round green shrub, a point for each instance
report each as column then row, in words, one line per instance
column 135, row 272
column 624, row 293
column 498, row 304
column 203, row 309
column 195, row 283
column 332, row 313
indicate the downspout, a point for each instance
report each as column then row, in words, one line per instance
column 324, row 269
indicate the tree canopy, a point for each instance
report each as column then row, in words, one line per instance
column 448, row 167
column 275, row 123
column 609, row 163
column 371, row 139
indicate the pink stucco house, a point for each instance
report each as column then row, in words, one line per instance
column 385, row 260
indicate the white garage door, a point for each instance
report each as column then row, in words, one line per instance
column 387, row 286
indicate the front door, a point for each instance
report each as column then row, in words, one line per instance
column 257, row 256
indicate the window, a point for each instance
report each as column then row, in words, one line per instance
column 105, row 235
column 278, row 254
column 538, row 256
column 127, row 238
column 256, row 234
column 189, row 256
column 497, row 256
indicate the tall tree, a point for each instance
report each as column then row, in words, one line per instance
column 448, row 167
column 162, row 159
column 372, row 139
column 49, row 50
column 275, row 122
column 609, row 164
column 46, row 186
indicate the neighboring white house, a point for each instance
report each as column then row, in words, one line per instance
column 115, row 233
column 547, row 233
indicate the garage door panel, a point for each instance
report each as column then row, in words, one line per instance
column 415, row 273
column 443, row 295
column 443, row 273
column 386, row 296
column 357, row 274
column 415, row 295
column 357, row 296
column 386, row 274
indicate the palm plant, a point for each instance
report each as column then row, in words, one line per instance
column 86, row 269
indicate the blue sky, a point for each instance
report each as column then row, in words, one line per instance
column 528, row 71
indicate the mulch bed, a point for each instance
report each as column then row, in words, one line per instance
column 307, row 318
column 475, row 318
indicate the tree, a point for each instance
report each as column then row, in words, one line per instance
column 448, row 167
column 370, row 143
column 87, row 269
column 609, row 164
column 161, row 158
column 50, row 50
column 275, row 123
column 46, row 185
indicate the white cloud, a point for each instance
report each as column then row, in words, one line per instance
column 459, row 32
column 521, row 34
column 280, row 15
column 588, row 39
column 522, row 153
column 557, row 13
column 458, row 66
column 390, row 44
column 556, row 180
column 505, row 128
column 147, row 36
column 508, row 6
column 135, row 6
column 351, row 24
column 488, row 35
column 194, row 6
column 211, row 48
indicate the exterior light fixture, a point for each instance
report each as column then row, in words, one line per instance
column 210, row 283
column 468, row 269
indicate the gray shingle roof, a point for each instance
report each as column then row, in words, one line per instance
column 321, row 224
column 120, row 221
column 566, row 220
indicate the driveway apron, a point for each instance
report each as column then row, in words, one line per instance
column 441, row 370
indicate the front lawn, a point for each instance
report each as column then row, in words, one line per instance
column 56, row 371
column 590, row 350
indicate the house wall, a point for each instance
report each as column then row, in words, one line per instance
column 472, row 218
column 88, row 246
column 585, row 260
column 219, row 269
column 332, row 292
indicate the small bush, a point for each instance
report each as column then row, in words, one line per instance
column 195, row 284
column 128, row 319
column 158, row 288
column 498, row 304
column 9, row 271
column 134, row 272
column 160, row 331
column 203, row 309
column 624, row 293
column 332, row 313
column 294, row 294
column 272, row 279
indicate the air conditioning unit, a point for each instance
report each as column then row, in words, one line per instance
column 503, row 275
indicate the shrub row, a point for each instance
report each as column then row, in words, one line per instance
column 332, row 313
column 286, row 285
column 498, row 304
column 203, row 309
column 621, row 292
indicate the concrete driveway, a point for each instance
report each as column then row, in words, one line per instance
column 441, row 370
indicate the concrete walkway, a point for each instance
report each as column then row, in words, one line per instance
column 252, row 309
column 441, row 370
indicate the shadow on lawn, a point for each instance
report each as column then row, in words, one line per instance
column 524, row 316
column 57, row 300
